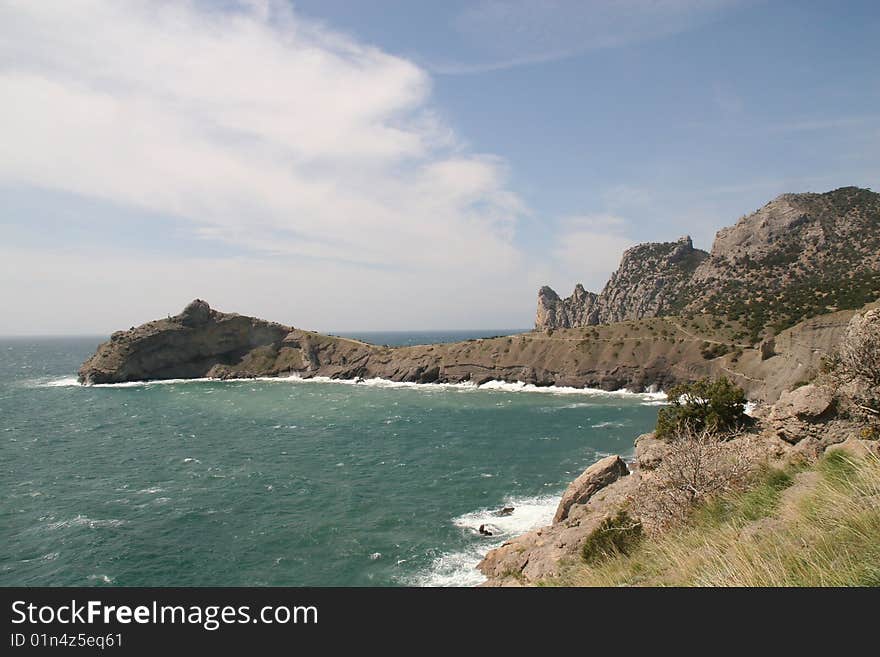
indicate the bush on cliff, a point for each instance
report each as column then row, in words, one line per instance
column 716, row 406
column 696, row 468
column 616, row 536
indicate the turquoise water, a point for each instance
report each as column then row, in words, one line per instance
column 277, row 482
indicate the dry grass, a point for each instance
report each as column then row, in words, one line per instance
column 819, row 527
column 697, row 466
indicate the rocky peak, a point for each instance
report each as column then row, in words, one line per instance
column 196, row 313
column 577, row 310
column 798, row 256
column 647, row 283
column 650, row 280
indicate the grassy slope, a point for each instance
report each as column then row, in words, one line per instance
column 816, row 527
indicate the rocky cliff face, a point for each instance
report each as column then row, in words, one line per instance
column 580, row 309
column 799, row 256
column 648, row 283
column 197, row 342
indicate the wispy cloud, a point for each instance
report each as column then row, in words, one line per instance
column 588, row 249
column 253, row 126
column 509, row 33
column 825, row 123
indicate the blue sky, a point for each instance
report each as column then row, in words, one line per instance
column 392, row 165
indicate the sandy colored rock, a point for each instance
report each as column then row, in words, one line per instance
column 649, row 451
column 591, row 480
column 798, row 408
column 855, row 447
column 543, row 553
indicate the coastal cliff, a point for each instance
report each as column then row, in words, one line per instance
column 799, row 256
column 799, row 478
column 652, row 353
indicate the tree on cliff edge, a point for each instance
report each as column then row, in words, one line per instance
column 715, row 406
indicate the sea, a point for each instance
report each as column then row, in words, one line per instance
column 281, row 482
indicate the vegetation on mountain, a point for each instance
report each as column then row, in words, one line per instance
column 799, row 256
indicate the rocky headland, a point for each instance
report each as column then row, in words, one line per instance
column 648, row 354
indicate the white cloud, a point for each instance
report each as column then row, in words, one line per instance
column 588, row 250
column 124, row 289
column 515, row 32
column 253, row 126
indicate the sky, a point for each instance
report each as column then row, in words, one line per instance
column 401, row 164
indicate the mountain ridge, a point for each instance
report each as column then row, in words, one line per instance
column 798, row 256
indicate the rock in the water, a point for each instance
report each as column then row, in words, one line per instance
column 593, row 479
column 197, row 341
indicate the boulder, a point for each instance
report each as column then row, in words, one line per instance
column 806, row 451
column 592, row 480
column 855, row 447
column 797, row 409
column 649, row 451
column 196, row 313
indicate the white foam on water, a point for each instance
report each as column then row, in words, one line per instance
column 62, row 383
column 83, row 521
column 503, row 386
column 605, row 425
column 459, row 568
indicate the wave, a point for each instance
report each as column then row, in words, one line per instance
column 495, row 385
column 61, row 383
column 459, row 567
column 83, row 521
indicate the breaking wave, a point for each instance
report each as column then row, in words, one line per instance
column 459, row 567
column 502, row 386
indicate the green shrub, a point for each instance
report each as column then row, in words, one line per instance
column 616, row 535
column 712, row 350
column 717, row 406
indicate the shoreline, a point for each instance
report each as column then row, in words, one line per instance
column 657, row 397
